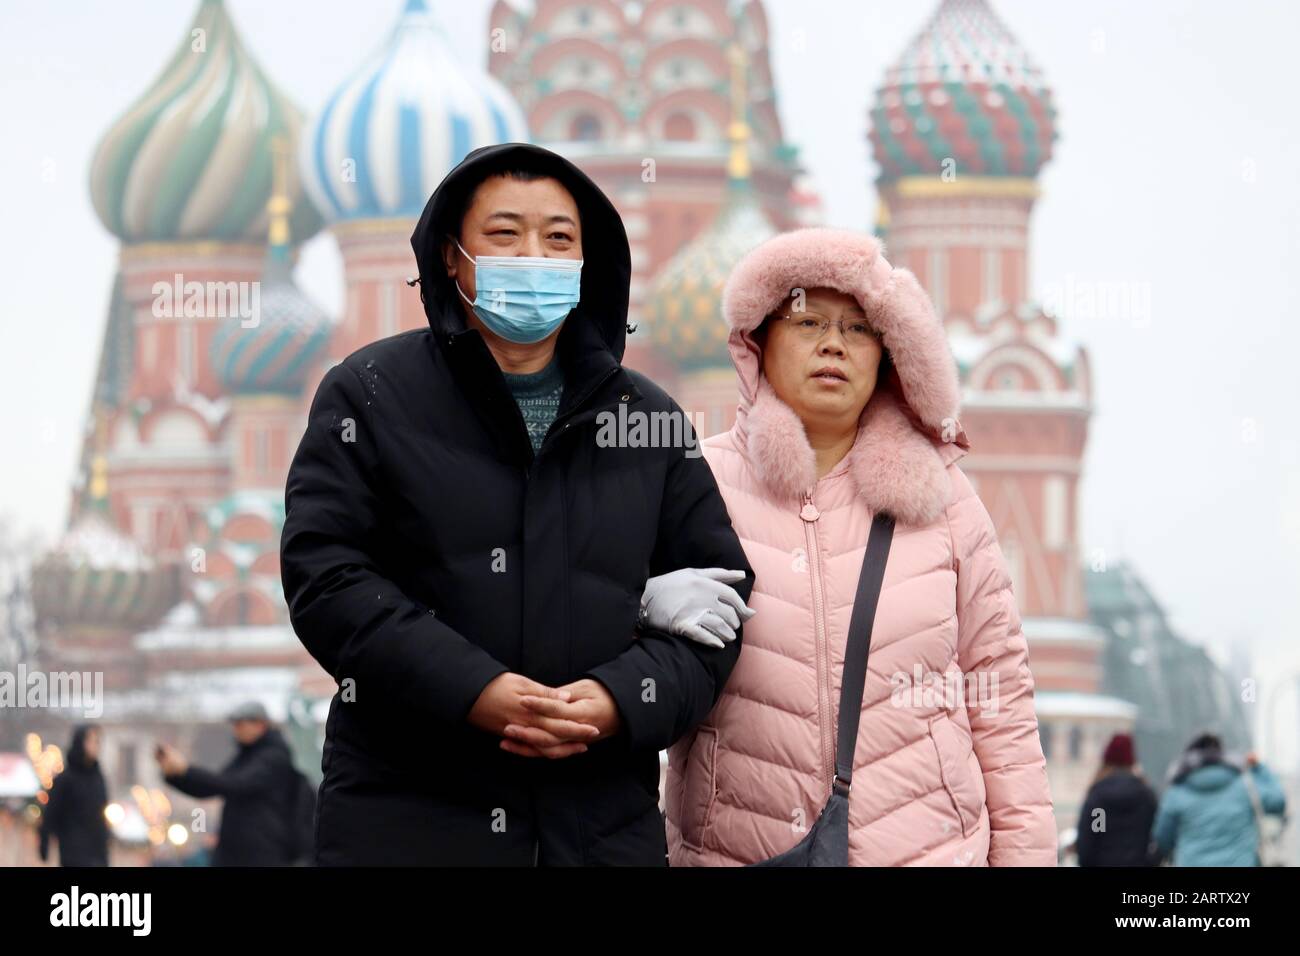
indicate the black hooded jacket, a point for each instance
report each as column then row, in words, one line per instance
column 1123, row 834
column 74, row 813
column 426, row 550
column 258, row 786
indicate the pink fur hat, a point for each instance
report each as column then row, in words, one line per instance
column 909, row 430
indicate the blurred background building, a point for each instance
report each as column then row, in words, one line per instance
column 167, row 578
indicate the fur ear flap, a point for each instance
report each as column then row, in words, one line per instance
column 897, row 469
column 778, row 447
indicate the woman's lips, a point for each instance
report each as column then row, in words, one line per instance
column 829, row 375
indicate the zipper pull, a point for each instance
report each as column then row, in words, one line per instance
column 809, row 512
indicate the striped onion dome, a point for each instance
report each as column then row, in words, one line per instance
column 684, row 304
column 388, row 136
column 191, row 159
column 275, row 355
column 98, row 576
column 964, row 88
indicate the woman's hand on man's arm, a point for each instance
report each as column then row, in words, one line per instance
column 696, row 603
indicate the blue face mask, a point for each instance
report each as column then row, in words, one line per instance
column 523, row 299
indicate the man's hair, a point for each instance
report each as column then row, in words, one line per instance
column 510, row 172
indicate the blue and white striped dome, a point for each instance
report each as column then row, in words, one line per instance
column 388, row 136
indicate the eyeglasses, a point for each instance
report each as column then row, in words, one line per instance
column 811, row 326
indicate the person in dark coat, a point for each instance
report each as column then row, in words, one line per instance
column 258, row 786
column 465, row 554
column 74, row 813
column 1118, row 811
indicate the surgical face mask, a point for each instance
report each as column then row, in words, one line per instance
column 523, row 299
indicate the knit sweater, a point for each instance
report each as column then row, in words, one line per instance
column 538, row 396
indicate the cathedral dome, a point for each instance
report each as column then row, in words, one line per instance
column 191, row 158
column 275, row 355
column 98, row 576
column 277, row 352
column 963, row 89
column 387, row 137
column 684, row 304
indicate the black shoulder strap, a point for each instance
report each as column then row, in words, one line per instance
column 858, row 647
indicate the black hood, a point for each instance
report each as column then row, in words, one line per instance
column 607, row 264
column 77, row 758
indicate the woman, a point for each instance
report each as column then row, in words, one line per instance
column 1118, row 811
column 74, row 814
column 848, row 402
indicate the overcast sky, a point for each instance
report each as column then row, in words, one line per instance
column 1177, row 174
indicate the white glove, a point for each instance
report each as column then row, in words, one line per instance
column 695, row 603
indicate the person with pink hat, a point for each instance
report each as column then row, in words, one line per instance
column 847, row 431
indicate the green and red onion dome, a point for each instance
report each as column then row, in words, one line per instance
column 97, row 576
column 963, row 89
column 684, row 304
column 275, row 355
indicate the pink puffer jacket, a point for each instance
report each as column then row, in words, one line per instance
column 949, row 770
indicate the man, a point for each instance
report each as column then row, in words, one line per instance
column 258, row 786
column 467, row 560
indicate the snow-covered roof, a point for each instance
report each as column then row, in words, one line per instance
column 183, row 615
column 1050, row 703
column 241, row 638
column 212, row 410
column 94, row 542
column 205, row 696
column 968, row 348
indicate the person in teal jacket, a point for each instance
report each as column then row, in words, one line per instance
column 1207, row 816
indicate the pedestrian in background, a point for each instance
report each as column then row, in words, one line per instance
column 1210, row 814
column 74, row 813
column 1118, row 811
column 260, row 787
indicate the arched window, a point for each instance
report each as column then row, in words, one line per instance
column 679, row 127
column 242, row 607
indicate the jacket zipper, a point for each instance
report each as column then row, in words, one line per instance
column 528, row 474
column 810, row 514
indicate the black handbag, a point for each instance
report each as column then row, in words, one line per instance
column 827, row 843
